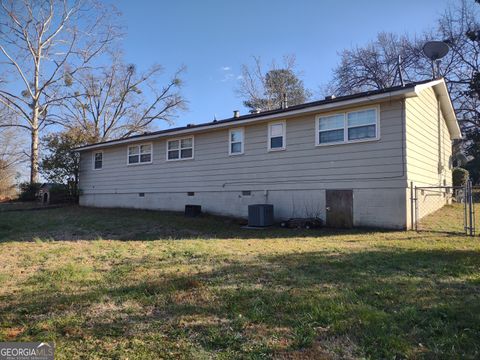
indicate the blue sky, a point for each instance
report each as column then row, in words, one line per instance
column 213, row 38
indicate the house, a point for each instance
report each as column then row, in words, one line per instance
column 350, row 160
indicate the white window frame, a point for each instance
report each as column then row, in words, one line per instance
column 317, row 129
column 242, row 151
column 179, row 148
column 139, row 154
column 93, row 160
column 346, row 127
column 284, row 135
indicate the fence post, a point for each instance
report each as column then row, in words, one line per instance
column 470, row 207
column 412, row 204
column 465, row 203
column 474, row 228
column 416, row 208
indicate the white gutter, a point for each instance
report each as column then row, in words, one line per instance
column 399, row 93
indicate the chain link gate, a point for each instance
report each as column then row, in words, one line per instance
column 447, row 209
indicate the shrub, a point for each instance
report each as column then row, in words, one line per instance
column 28, row 191
column 460, row 176
column 60, row 194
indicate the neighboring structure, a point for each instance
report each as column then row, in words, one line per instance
column 349, row 160
column 43, row 194
column 53, row 193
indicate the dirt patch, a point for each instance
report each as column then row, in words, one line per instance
column 328, row 348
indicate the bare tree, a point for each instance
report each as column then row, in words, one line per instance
column 43, row 44
column 460, row 27
column 116, row 101
column 375, row 66
column 265, row 89
column 7, row 180
column 11, row 152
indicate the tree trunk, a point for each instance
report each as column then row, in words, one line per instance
column 34, row 147
column 34, row 157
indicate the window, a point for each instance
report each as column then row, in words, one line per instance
column 362, row 124
column 331, row 129
column 97, row 160
column 347, row 127
column 276, row 136
column 180, row 149
column 236, row 141
column 140, row 154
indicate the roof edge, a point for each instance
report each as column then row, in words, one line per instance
column 441, row 91
column 368, row 97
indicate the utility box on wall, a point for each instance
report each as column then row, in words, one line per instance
column 260, row 215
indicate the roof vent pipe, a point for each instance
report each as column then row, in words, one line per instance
column 236, row 113
column 284, row 101
column 330, row 97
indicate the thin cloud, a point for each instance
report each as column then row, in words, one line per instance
column 227, row 77
column 228, row 74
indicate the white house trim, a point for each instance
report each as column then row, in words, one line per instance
column 139, row 154
column 345, row 127
column 242, row 129
column 93, row 159
column 284, row 135
column 179, row 139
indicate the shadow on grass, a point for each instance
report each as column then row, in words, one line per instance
column 379, row 304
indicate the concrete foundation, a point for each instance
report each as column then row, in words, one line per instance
column 383, row 208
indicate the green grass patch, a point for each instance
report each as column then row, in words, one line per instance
column 117, row 283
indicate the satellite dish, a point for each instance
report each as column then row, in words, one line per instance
column 435, row 50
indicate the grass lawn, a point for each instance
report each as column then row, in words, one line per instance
column 17, row 206
column 449, row 219
column 137, row 284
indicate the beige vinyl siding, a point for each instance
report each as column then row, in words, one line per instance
column 302, row 165
column 423, row 149
column 428, row 143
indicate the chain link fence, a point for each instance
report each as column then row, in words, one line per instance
column 446, row 209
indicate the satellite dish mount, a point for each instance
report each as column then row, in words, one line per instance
column 435, row 51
